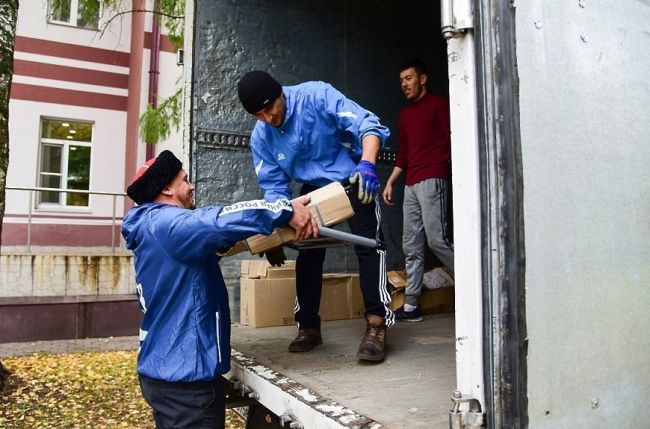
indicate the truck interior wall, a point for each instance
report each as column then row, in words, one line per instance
column 583, row 69
column 356, row 46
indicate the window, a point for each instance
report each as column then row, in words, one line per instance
column 65, row 161
column 80, row 13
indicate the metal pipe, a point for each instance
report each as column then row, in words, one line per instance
column 29, row 221
column 456, row 16
column 113, row 226
column 32, row 204
column 447, row 19
column 354, row 239
column 75, row 191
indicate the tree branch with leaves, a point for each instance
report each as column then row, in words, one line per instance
column 157, row 123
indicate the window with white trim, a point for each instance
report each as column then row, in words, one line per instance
column 64, row 162
column 78, row 13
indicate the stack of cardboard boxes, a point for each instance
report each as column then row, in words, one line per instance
column 268, row 295
column 438, row 300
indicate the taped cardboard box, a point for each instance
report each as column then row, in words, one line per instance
column 329, row 205
column 262, row 269
column 268, row 295
column 432, row 301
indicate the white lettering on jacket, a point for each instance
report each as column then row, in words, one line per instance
column 140, row 293
column 275, row 207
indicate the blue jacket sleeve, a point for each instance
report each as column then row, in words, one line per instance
column 352, row 119
column 271, row 178
column 190, row 235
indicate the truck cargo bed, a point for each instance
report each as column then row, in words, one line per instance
column 410, row 389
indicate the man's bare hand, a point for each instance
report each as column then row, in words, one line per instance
column 388, row 194
column 302, row 221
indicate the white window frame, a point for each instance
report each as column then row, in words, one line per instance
column 62, row 206
column 74, row 16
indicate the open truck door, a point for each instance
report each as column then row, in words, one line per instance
column 561, row 110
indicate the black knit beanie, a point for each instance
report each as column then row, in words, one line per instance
column 257, row 90
column 153, row 176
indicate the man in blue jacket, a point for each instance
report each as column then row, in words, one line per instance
column 185, row 331
column 314, row 135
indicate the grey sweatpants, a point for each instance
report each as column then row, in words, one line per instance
column 425, row 223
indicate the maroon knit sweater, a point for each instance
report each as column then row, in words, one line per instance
column 424, row 139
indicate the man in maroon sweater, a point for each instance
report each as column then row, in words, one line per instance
column 425, row 155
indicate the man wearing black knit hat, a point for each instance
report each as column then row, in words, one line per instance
column 185, row 331
column 314, row 135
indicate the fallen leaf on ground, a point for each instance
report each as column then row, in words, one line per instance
column 77, row 390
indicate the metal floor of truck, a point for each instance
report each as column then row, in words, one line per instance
column 411, row 389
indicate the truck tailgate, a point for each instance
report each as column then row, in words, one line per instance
column 410, row 389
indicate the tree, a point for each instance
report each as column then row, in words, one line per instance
column 8, row 16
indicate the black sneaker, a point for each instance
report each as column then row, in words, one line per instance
column 408, row 316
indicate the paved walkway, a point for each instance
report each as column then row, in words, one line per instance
column 69, row 346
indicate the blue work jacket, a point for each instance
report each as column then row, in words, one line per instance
column 185, row 331
column 318, row 142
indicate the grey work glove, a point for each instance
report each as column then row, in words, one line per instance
column 275, row 256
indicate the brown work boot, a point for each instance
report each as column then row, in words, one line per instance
column 373, row 342
column 306, row 340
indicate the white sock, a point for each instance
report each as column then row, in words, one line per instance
column 409, row 307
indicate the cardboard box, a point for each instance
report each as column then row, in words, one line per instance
column 262, row 269
column 239, row 247
column 341, row 297
column 397, row 279
column 267, row 302
column 330, row 205
column 268, row 295
column 432, row 301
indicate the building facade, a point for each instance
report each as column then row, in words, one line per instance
column 81, row 82
column 79, row 88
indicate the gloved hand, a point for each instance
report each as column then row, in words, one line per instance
column 366, row 174
column 275, row 256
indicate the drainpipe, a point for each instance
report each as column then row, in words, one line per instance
column 133, row 100
column 153, row 70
